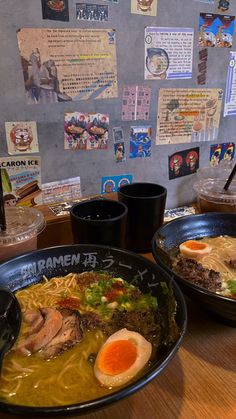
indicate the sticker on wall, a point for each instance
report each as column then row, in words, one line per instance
column 136, row 103
column 168, row 53
column 21, row 137
column 21, row 180
column 112, row 183
column 206, row 1
column 85, row 131
column 119, row 149
column 223, row 5
column 188, row 115
column 230, row 93
column 218, row 152
column 140, row 141
column 62, row 190
column 144, row 7
column 215, row 30
column 92, row 12
column 202, row 66
column 55, row 9
column 183, row 163
column 59, row 67
column 118, row 134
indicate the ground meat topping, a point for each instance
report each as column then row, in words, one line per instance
column 194, row 272
column 231, row 263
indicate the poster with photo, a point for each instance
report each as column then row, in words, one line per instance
column 183, row 163
column 168, row 53
column 218, row 152
column 21, row 137
column 144, row 7
column 215, row 30
column 61, row 65
column 188, row 115
column 85, row 131
column 55, row 10
column 136, row 103
column 140, row 141
column 21, row 179
column 230, row 93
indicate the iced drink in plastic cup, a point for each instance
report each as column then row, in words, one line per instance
column 23, row 226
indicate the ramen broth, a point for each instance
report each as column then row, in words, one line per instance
column 223, row 249
column 66, row 379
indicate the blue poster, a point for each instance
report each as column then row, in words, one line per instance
column 140, row 141
column 112, row 183
column 215, row 30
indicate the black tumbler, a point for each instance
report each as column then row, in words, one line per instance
column 99, row 221
column 146, row 207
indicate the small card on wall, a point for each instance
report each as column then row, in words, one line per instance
column 223, row 5
column 112, row 183
column 183, row 163
column 119, row 149
column 215, row 30
column 140, row 141
column 136, row 103
column 218, row 152
column 118, row 134
column 92, row 12
column 21, row 137
column 144, row 7
column 55, row 10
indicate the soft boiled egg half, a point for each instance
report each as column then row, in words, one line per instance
column 194, row 249
column 121, row 357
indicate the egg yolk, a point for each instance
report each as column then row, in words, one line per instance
column 117, row 357
column 193, row 245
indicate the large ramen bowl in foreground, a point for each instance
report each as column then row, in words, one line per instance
column 30, row 268
column 165, row 245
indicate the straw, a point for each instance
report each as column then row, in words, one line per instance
column 2, row 209
column 230, row 178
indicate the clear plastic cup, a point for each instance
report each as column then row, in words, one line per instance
column 23, row 226
column 211, row 196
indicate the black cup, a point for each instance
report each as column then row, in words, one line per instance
column 99, row 221
column 146, row 207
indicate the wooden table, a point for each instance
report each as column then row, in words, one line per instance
column 199, row 383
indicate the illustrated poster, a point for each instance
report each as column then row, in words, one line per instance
column 183, row 163
column 21, row 137
column 230, row 93
column 21, row 179
column 140, row 141
column 112, row 183
column 215, row 30
column 55, row 9
column 85, row 131
column 136, row 103
column 92, row 12
column 188, row 115
column 168, row 53
column 144, row 7
column 218, row 152
column 61, row 65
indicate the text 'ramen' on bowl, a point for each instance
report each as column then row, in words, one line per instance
column 83, row 335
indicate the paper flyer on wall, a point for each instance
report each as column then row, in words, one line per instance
column 21, row 137
column 61, row 65
column 188, row 115
column 21, row 178
column 168, row 53
column 86, row 131
column 144, row 7
column 136, row 103
column 230, row 93
column 62, row 190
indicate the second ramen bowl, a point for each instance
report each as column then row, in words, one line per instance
column 30, row 268
column 165, row 244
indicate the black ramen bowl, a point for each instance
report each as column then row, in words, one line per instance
column 29, row 269
column 165, row 245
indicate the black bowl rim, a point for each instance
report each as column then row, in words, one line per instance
column 102, row 402
column 178, row 278
column 128, row 195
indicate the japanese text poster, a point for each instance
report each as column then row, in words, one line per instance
column 136, row 103
column 215, row 30
column 168, row 53
column 230, row 93
column 140, row 141
column 60, row 191
column 61, row 65
column 188, row 115
column 21, row 137
column 85, row 131
column 21, row 178
column 144, row 7
column 183, row 163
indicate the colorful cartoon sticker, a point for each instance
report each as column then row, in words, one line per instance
column 216, row 30
column 55, row 9
column 112, row 183
column 119, row 152
column 218, row 152
column 21, row 137
column 183, row 163
column 140, row 141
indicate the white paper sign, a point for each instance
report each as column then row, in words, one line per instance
column 230, row 94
